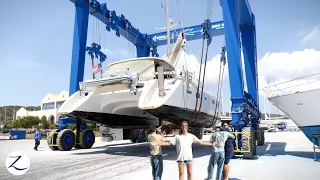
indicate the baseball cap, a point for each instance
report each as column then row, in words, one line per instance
column 153, row 127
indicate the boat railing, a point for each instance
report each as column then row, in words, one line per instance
column 301, row 84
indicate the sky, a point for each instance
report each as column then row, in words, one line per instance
column 36, row 42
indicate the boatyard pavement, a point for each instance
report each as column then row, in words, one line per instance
column 285, row 155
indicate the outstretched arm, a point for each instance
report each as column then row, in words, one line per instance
column 205, row 143
column 165, row 143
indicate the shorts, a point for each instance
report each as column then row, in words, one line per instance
column 228, row 156
column 185, row 162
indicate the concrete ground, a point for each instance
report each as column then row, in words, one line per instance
column 287, row 155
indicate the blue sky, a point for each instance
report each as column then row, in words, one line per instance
column 36, row 38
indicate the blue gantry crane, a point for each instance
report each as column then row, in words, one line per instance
column 238, row 26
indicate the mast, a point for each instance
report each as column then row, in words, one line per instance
column 168, row 26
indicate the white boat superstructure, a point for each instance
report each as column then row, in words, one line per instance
column 143, row 91
column 299, row 100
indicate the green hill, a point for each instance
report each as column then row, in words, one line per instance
column 7, row 113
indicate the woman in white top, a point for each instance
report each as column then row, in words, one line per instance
column 183, row 143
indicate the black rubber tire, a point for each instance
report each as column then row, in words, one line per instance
column 87, row 144
column 262, row 138
column 53, row 137
column 254, row 142
column 246, row 143
column 61, row 140
column 134, row 135
column 198, row 132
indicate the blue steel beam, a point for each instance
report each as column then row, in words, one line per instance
column 248, row 36
column 232, row 38
column 123, row 28
column 79, row 45
column 238, row 19
column 191, row 33
column 117, row 23
column 244, row 13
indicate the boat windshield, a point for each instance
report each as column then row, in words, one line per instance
column 145, row 67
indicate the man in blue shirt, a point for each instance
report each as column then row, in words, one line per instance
column 229, row 152
column 218, row 155
column 37, row 138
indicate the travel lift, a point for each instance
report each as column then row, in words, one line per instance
column 238, row 25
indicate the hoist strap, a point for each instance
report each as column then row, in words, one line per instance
column 197, row 97
column 203, row 77
column 218, row 98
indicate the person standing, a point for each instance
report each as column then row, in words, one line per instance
column 183, row 143
column 218, row 155
column 229, row 152
column 37, row 138
column 154, row 139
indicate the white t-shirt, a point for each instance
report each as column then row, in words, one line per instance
column 183, row 145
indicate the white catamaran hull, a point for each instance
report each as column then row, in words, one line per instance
column 124, row 108
column 155, row 92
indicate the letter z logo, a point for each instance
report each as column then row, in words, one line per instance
column 17, row 163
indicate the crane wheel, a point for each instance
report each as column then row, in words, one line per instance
column 88, row 139
column 262, row 138
column 52, row 139
column 66, row 140
column 248, row 143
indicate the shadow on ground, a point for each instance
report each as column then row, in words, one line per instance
column 278, row 149
column 143, row 150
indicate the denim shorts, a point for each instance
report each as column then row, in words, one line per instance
column 185, row 162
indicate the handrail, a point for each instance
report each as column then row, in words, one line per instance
column 301, row 84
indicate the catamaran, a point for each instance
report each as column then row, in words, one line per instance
column 140, row 92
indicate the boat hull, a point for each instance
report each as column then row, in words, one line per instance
column 121, row 108
column 301, row 108
column 180, row 104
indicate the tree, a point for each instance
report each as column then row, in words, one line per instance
column 28, row 122
column 16, row 124
column 44, row 122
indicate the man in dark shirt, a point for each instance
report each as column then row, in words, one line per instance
column 229, row 152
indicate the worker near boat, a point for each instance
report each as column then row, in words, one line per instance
column 183, row 142
column 154, row 139
column 229, row 151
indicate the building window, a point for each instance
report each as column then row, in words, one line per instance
column 47, row 106
column 59, row 103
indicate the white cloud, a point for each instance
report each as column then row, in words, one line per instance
column 272, row 67
column 190, row 62
column 284, row 66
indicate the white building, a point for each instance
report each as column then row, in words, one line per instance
column 49, row 107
